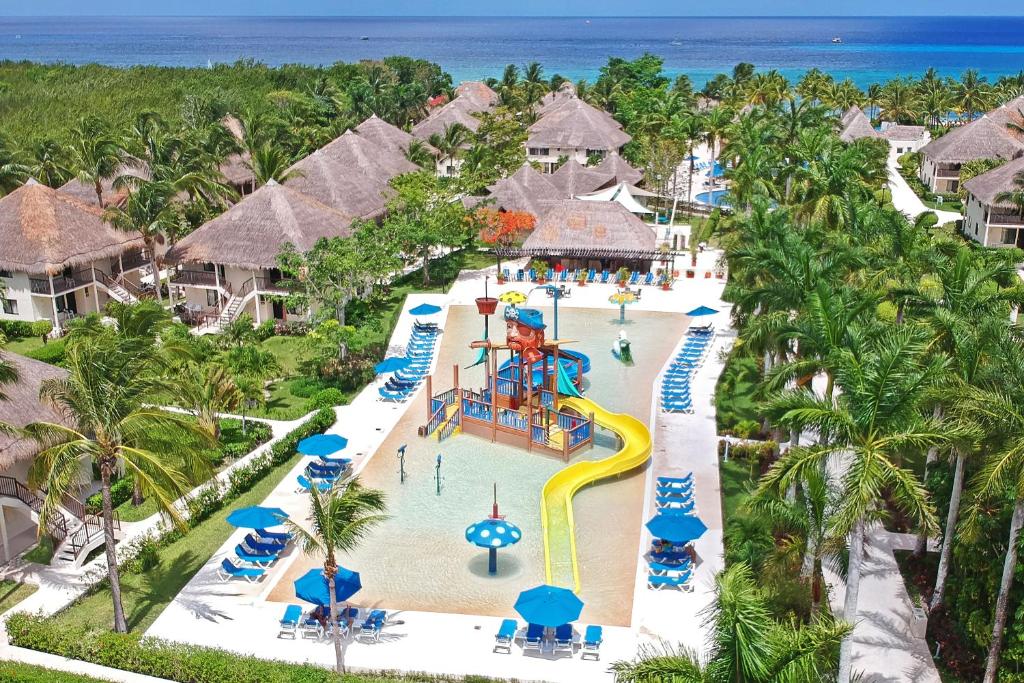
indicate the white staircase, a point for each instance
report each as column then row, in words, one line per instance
column 118, row 292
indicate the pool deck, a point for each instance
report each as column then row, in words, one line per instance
column 210, row 612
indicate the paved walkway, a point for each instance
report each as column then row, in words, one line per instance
column 906, row 200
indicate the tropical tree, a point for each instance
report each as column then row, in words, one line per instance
column 151, row 212
column 96, row 154
column 48, row 164
column 972, row 94
column 899, row 101
column 270, row 161
column 12, row 171
column 715, row 123
column 208, row 390
column 1014, row 196
column 451, row 142
column 105, row 394
column 420, row 154
column 339, row 520
column 865, row 428
column 747, row 644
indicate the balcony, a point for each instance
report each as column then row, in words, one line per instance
column 61, row 283
column 130, row 260
column 194, row 278
column 1005, row 218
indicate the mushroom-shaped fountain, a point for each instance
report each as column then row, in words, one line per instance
column 493, row 533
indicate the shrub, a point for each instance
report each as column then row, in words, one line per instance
column 15, row 329
column 305, row 387
column 326, row 398
column 204, row 503
column 41, row 328
column 265, row 330
column 747, row 428
column 52, row 353
column 120, row 491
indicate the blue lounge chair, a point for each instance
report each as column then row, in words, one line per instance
column 563, row 275
column 520, row 275
column 674, row 505
column 681, row 581
column 505, row 635
column 677, row 491
column 534, row 638
column 677, row 512
column 259, row 546
column 563, row 639
column 648, row 280
column 505, row 274
column 533, row 274
column 372, row 626
column 604, row 276
column 590, row 646
column 289, row 624
column 550, row 275
column 282, row 536
column 676, row 556
column 591, row 275
column 664, row 568
column 676, row 481
column 393, row 396
column 305, row 485
column 312, row 628
column 250, row 557
column 228, row 570
column 634, row 278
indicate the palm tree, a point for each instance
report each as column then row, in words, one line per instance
column 151, row 212
column 973, row 94
column 208, row 391
column 534, row 86
column 96, row 154
column 747, row 645
column 899, row 101
column 339, row 520
column 105, row 394
column 715, row 123
column 48, row 164
column 270, row 161
column 1016, row 195
column 866, row 427
column 12, row 171
column 451, row 141
column 419, row 153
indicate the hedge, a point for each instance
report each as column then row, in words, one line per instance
column 29, row 673
column 177, row 662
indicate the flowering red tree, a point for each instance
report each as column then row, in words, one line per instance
column 504, row 228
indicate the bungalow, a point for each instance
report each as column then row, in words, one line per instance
column 573, row 178
column 569, row 127
column 60, row 259
column 620, row 171
column 904, row 139
column 855, row 125
column 525, row 190
column 229, row 265
column 989, row 137
column 990, row 222
column 471, row 98
column 71, row 529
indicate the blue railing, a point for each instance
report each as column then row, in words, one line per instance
column 579, row 434
column 476, row 410
column 450, row 426
column 547, row 399
column 435, row 405
column 512, row 419
column 539, row 434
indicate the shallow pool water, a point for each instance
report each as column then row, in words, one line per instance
column 418, row 559
column 714, row 198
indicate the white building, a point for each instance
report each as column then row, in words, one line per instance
column 59, row 259
column 990, row 222
column 569, row 127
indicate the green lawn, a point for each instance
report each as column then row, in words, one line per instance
column 12, row 593
column 737, row 478
column 23, row 346
column 289, row 352
column 146, row 595
column 734, row 394
column 29, row 673
column 42, row 553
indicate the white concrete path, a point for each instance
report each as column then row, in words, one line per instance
column 906, row 200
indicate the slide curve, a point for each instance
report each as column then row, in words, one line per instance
column 556, row 499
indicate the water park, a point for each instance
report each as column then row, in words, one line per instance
column 533, row 443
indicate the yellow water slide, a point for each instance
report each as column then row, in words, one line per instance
column 556, row 500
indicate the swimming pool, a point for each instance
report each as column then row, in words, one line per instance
column 714, row 198
column 419, row 560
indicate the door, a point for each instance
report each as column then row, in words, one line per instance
column 278, row 307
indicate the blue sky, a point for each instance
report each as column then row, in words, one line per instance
column 507, row 7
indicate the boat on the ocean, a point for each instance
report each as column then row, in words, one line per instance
column 837, row 39
column 364, row 37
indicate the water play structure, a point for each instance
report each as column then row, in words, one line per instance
column 533, row 399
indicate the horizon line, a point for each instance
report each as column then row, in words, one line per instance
column 519, row 16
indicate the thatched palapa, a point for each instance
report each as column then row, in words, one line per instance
column 471, row 99
column 251, row 233
column 43, row 231
column 854, row 125
column 573, row 225
column 573, row 178
column 525, row 190
column 988, row 137
column 987, row 186
column 620, row 171
column 391, row 138
column 23, row 406
column 574, row 124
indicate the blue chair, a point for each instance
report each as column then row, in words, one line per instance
column 604, row 276
column 668, row 568
column 305, row 485
column 393, row 396
column 289, row 624
column 282, row 536
column 674, row 505
column 372, row 626
column 262, row 547
column 678, row 491
column 505, row 635
column 676, row 481
column 591, row 275
column 228, row 570
column 681, row 581
column 648, row 280
column 534, row 638
column 563, row 639
column 590, row 646
column 251, row 557
column 634, row 278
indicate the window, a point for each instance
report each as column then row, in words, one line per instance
column 599, row 153
column 10, row 306
column 539, row 151
column 211, row 297
column 5, row 273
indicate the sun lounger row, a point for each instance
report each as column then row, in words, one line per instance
column 420, row 353
column 670, row 565
column 675, row 385
column 535, row 637
column 316, row 624
column 572, row 275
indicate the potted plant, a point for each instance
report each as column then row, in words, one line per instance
column 666, row 283
column 707, row 274
column 689, row 273
column 621, row 275
column 581, row 278
column 501, row 277
column 541, row 269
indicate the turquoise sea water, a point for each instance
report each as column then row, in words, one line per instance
column 873, row 48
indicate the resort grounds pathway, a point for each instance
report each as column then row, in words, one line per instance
column 906, row 200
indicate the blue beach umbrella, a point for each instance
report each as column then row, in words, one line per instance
column 257, row 517
column 676, row 528
column 322, row 444
column 425, row 309
column 312, row 586
column 549, row 606
column 493, row 534
column 391, row 364
column 700, row 311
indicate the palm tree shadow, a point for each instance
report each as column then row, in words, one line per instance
column 155, row 584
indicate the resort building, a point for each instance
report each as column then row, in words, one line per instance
column 602, row 235
column 525, row 190
column 904, row 139
column 855, row 125
column 987, row 221
column 569, row 127
column 619, row 170
column 72, row 531
column 471, row 98
column 229, row 265
column 992, row 136
column 573, row 178
column 59, row 259
column 391, row 138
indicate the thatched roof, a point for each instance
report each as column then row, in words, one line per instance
column 43, row 230
column 471, row 98
column 574, row 224
column 86, row 192
column 524, row 191
column 236, row 170
column 854, row 125
column 573, row 178
column 351, row 175
column 251, row 233
column 899, row 131
column 985, row 138
column 987, row 186
column 574, row 124
column 234, row 126
column 617, row 167
column 23, row 406
column 391, row 138
column 550, row 100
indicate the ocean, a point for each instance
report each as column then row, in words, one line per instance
column 873, row 49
